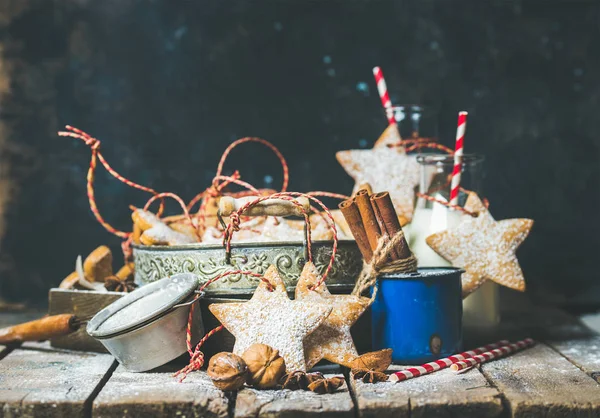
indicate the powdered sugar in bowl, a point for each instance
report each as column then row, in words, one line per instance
column 147, row 327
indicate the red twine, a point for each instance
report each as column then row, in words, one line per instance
column 94, row 144
column 197, row 356
column 451, row 206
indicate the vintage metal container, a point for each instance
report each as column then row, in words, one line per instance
column 147, row 327
column 208, row 261
column 418, row 315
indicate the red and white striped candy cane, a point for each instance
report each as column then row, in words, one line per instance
column 443, row 363
column 458, row 154
column 493, row 354
column 384, row 95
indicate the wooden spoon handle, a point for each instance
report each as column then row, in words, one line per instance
column 271, row 207
column 40, row 329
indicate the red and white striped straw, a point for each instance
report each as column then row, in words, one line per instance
column 458, row 157
column 443, row 363
column 384, row 95
column 493, row 354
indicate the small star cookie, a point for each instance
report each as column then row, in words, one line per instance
column 484, row 247
column 273, row 319
column 331, row 340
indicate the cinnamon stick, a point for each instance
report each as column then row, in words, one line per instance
column 368, row 217
column 367, row 187
column 40, row 329
column 389, row 223
column 350, row 211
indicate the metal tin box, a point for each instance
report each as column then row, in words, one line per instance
column 208, row 261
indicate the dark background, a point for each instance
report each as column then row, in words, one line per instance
column 167, row 85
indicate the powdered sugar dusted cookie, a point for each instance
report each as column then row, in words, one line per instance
column 156, row 232
column 484, row 247
column 331, row 340
column 386, row 167
column 273, row 319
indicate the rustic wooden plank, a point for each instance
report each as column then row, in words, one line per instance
column 583, row 352
column 84, row 304
column 50, row 383
column 439, row 394
column 159, row 394
column 540, row 382
column 541, row 323
column 287, row 403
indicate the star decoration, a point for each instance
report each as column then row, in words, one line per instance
column 331, row 340
column 273, row 319
column 485, row 248
column 386, row 167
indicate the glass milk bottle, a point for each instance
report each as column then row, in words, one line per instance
column 481, row 307
column 415, row 121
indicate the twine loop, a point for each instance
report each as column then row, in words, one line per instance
column 234, row 221
column 380, row 264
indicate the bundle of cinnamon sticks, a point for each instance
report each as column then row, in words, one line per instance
column 370, row 217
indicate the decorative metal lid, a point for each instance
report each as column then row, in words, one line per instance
column 142, row 306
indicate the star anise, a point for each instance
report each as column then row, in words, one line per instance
column 377, row 361
column 299, row 380
column 115, row 284
column 322, row 386
column 369, row 376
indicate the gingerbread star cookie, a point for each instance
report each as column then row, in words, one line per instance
column 273, row 319
column 386, row 167
column 485, row 248
column 331, row 340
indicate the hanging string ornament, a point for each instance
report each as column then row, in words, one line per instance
column 484, row 247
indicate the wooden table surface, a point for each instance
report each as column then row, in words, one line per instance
column 559, row 377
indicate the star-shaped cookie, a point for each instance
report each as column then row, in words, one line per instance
column 331, row 340
column 485, row 248
column 273, row 319
column 385, row 168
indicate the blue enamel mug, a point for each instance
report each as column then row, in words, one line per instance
column 418, row 315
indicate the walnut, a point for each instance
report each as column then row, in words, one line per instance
column 322, row 386
column 227, row 371
column 299, row 380
column 265, row 366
